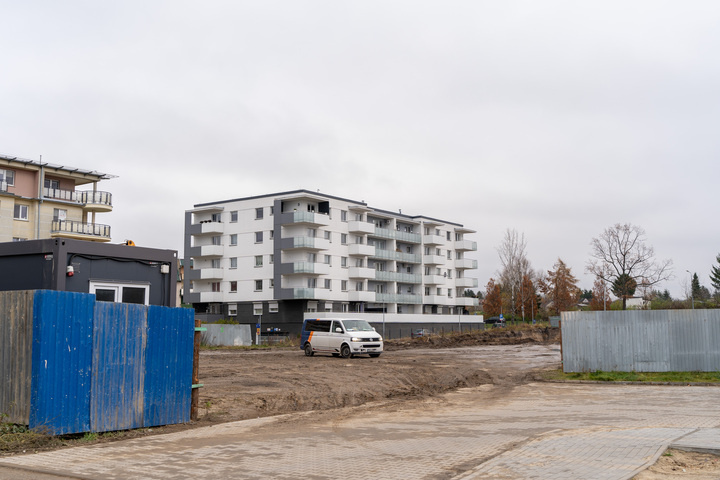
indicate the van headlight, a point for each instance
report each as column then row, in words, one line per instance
column 356, row 339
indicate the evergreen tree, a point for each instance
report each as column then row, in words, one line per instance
column 715, row 275
column 695, row 287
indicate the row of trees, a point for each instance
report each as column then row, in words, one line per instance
column 621, row 262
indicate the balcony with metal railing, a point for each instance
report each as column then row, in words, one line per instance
column 93, row 201
column 304, row 268
column 206, row 227
column 80, row 230
column 397, row 234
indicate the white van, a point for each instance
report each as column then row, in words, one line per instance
column 340, row 337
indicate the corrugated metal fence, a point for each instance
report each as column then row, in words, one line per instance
column 71, row 364
column 641, row 341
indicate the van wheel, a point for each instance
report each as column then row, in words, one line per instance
column 374, row 355
column 345, row 351
column 308, row 350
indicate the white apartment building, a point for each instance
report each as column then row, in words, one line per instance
column 284, row 254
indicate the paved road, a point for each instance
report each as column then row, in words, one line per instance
column 533, row 431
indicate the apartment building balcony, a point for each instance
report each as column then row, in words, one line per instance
column 361, row 249
column 465, row 263
column 466, row 245
column 305, row 243
column 304, row 268
column 433, row 259
column 92, row 201
column 435, row 299
column 466, row 282
column 433, row 240
column 207, row 227
column 304, row 218
column 361, row 296
column 361, row 227
column 397, row 256
column 206, row 251
column 399, row 277
column 396, row 234
column 210, row 273
column 298, row 293
column 434, row 279
column 211, row 297
column 361, row 272
column 80, row 230
column 407, row 298
column 467, row 301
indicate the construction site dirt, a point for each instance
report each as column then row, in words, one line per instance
column 241, row 384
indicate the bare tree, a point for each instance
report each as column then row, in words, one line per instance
column 621, row 258
column 515, row 266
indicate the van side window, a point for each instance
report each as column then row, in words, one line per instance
column 337, row 325
column 317, row 325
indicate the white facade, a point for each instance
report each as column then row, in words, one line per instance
column 305, row 251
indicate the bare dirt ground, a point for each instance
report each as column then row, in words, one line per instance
column 241, row 384
column 680, row 464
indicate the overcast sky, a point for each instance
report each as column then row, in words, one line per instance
column 555, row 118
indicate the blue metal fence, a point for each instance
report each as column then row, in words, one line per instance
column 98, row 366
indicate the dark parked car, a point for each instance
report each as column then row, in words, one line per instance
column 495, row 322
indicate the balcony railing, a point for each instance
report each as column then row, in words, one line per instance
column 398, row 277
column 463, row 263
column 465, row 245
column 397, row 234
column 308, row 243
column 398, row 298
column 397, row 256
column 310, row 268
column 71, row 228
column 92, row 200
column 307, row 218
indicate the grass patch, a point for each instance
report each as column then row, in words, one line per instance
column 659, row 377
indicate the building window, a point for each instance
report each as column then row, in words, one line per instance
column 328, row 284
column 312, row 232
column 215, row 286
column 215, row 263
column 257, row 309
column 258, row 285
column 343, row 262
column 217, row 240
column 312, row 282
column 7, row 178
column 19, row 239
column 232, row 309
column 272, row 234
column 343, row 238
column 343, row 215
column 312, row 306
column 234, row 216
column 59, row 215
column 359, row 262
column 258, row 237
column 447, row 236
column 427, row 290
column 258, row 213
column 344, row 307
column 327, row 236
column 233, row 286
column 233, row 239
column 216, row 217
column 449, row 255
column 272, row 211
column 272, row 283
column 21, row 212
column 52, row 184
column 359, row 287
column 449, row 292
column 272, row 259
column 327, row 259
column 273, row 307
column 233, row 262
column 258, row 260
column 120, row 292
column 438, row 291
column 343, row 285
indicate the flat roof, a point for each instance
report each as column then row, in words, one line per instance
column 63, row 168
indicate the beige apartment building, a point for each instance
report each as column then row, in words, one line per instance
column 42, row 200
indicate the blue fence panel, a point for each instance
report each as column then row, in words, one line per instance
column 61, row 362
column 168, row 365
column 118, row 366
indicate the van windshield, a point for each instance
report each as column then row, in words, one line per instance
column 357, row 326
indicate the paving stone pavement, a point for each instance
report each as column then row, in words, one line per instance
column 534, row 431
